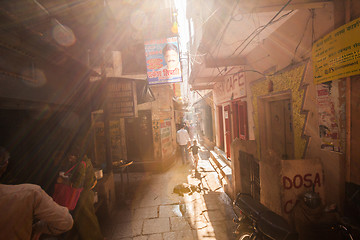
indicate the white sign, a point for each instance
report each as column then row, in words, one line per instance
column 232, row 87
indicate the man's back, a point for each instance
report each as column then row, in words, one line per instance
column 182, row 137
column 21, row 204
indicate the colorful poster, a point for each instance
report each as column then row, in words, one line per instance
column 117, row 141
column 329, row 121
column 165, row 132
column 337, row 55
column 163, row 61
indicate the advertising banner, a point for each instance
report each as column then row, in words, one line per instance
column 337, row 55
column 116, row 136
column 163, row 61
column 121, row 96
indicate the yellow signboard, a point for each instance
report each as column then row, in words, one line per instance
column 337, row 55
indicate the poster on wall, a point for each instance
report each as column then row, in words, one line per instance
column 163, row 61
column 156, row 138
column 337, row 55
column 165, row 133
column 117, row 143
column 329, row 121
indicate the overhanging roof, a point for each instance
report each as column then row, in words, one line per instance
column 234, row 30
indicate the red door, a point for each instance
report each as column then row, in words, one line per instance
column 227, row 129
column 242, row 117
column 235, row 122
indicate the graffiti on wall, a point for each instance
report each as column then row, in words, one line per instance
column 289, row 80
column 232, row 87
column 299, row 176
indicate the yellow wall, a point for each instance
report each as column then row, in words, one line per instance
column 287, row 80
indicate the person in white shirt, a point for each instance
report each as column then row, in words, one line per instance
column 183, row 138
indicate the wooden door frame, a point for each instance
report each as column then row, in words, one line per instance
column 235, row 119
column 264, row 119
column 221, row 127
column 228, row 139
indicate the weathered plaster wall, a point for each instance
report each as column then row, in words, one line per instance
column 278, row 51
column 333, row 162
column 287, row 80
column 306, row 126
column 163, row 111
column 275, row 54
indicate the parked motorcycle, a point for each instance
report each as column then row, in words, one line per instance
column 312, row 220
column 259, row 222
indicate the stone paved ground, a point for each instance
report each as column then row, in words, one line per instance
column 153, row 211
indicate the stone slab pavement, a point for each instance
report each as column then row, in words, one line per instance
column 198, row 209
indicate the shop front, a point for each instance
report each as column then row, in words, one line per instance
column 231, row 110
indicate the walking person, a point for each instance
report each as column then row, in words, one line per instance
column 183, row 138
column 195, row 153
column 86, row 225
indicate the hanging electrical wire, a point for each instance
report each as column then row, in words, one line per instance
column 217, row 45
column 303, row 34
column 212, row 102
column 256, row 32
column 258, row 29
column 312, row 26
column 262, row 29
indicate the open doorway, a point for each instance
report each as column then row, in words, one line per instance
column 139, row 141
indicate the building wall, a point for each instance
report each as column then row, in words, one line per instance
column 298, row 81
column 163, row 114
column 333, row 162
column 287, row 80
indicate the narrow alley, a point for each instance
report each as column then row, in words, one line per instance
column 99, row 98
column 154, row 208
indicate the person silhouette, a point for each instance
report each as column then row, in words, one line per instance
column 27, row 211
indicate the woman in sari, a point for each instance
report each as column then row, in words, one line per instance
column 86, row 225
